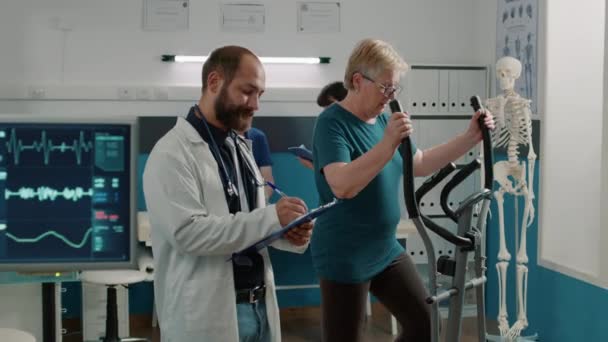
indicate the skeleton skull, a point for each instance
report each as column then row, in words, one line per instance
column 508, row 69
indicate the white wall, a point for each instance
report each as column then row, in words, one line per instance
column 571, row 175
column 484, row 36
column 107, row 48
column 604, row 169
column 106, row 44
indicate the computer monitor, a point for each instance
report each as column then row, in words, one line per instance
column 67, row 193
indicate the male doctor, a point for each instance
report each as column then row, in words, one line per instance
column 205, row 199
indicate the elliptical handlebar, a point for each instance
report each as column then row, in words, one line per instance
column 488, row 162
column 457, row 179
column 446, row 234
column 434, row 180
column 410, row 195
column 405, row 150
column 488, row 154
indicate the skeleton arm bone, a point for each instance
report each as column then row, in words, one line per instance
column 531, row 163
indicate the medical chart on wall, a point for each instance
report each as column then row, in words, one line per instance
column 318, row 17
column 517, row 36
column 243, row 17
column 166, row 15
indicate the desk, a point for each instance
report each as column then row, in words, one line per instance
column 144, row 228
column 405, row 228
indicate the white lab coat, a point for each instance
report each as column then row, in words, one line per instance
column 193, row 235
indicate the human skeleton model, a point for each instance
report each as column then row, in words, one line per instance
column 513, row 128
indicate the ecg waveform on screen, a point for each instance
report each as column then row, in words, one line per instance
column 53, row 233
column 16, row 146
column 43, row 193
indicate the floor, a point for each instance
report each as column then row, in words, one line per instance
column 304, row 325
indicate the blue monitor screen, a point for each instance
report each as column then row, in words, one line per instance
column 65, row 195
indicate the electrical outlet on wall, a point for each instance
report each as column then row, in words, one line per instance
column 37, row 93
column 126, row 93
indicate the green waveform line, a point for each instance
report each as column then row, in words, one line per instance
column 16, row 146
column 45, row 193
column 55, row 234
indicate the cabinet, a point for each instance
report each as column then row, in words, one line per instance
column 443, row 90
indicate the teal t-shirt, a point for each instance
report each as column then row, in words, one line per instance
column 356, row 240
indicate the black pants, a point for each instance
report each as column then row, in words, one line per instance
column 398, row 287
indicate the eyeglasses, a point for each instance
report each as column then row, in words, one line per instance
column 387, row 91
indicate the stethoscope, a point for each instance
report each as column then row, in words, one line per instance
column 231, row 188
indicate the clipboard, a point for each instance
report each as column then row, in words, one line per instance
column 241, row 257
column 301, row 151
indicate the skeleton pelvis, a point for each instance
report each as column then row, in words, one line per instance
column 504, row 169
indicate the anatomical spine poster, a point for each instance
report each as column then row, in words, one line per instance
column 516, row 36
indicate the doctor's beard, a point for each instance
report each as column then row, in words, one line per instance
column 232, row 116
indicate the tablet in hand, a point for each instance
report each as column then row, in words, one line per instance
column 301, row 151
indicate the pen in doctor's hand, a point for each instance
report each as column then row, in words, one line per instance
column 276, row 189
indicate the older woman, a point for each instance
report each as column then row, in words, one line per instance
column 354, row 248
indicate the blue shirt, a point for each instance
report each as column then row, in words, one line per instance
column 355, row 241
column 260, row 147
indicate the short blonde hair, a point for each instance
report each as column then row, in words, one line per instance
column 372, row 57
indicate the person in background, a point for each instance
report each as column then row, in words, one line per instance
column 261, row 154
column 332, row 92
column 354, row 247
